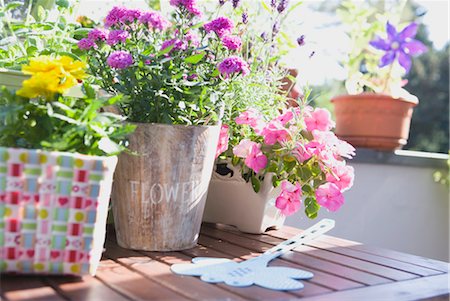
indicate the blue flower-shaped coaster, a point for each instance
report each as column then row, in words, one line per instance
column 255, row 270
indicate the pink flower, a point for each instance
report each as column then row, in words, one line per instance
column 302, row 153
column 328, row 195
column 289, row 199
column 86, row 44
column 233, row 64
column 275, row 132
column 342, row 176
column 242, row 150
column 287, row 116
column 344, row 149
column 98, row 34
column 319, row 119
column 190, row 5
column 250, row 117
column 231, row 42
column 154, row 20
column 223, row 140
column 256, row 160
column 114, row 16
column 120, row 59
column 221, row 26
column 176, row 43
column 117, row 36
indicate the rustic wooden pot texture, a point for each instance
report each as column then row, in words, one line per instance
column 372, row 120
column 159, row 193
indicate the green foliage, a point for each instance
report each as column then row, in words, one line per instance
column 37, row 33
column 65, row 124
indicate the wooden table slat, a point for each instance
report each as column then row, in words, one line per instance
column 27, row 288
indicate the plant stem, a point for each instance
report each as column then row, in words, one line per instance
column 388, row 77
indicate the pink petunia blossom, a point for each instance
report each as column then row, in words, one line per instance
column 287, row 116
column 289, row 200
column 256, row 160
column 231, row 42
column 319, row 119
column 223, row 140
column 86, row 44
column 342, row 176
column 328, row 195
column 275, row 132
column 242, row 150
column 302, row 153
column 249, row 117
column 154, row 20
column 221, row 26
column 233, row 65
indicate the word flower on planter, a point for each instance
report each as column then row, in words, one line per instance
column 54, row 200
column 173, row 74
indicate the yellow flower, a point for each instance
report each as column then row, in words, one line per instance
column 51, row 75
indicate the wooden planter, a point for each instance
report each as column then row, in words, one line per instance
column 373, row 120
column 233, row 201
column 53, row 208
column 159, row 194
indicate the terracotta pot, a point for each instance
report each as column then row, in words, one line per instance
column 159, row 193
column 373, row 120
column 233, row 201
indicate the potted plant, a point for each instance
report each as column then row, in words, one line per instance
column 377, row 111
column 173, row 75
column 274, row 151
column 57, row 158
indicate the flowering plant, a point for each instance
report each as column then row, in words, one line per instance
column 378, row 63
column 39, row 116
column 265, row 137
column 170, row 71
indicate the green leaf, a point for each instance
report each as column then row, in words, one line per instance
column 75, row 57
column 195, row 59
column 311, row 207
column 256, row 184
column 89, row 91
column 294, row 6
column 63, row 3
column 264, row 5
column 81, row 31
column 13, row 5
column 165, row 50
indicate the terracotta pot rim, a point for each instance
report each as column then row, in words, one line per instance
column 164, row 125
column 378, row 96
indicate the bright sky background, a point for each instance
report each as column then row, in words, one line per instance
column 328, row 42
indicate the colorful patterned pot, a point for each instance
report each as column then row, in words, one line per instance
column 53, row 209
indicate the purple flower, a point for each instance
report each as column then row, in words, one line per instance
column 222, row 2
column 116, row 36
column 282, row 6
column 233, row 64
column 275, row 28
column 130, row 15
column 399, row 45
column 98, row 34
column 231, row 42
column 190, row 5
column 264, row 36
column 273, row 3
column 301, row 40
column 235, row 3
column 86, row 44
column 245, row 18
column 176, row 43
column 154, row 20
column 114, row 16
column 192, row 38
column 221, row 26
column 120, row 59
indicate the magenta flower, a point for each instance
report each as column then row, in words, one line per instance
column 329, row 196
column 289, row 200
column 252, row 118
column 176, row 43
column 231, row 42
column 302, row 153
column 287, row 116
column 242, row 150
column 399, row 46
column 115, row 16
column 342, row 176
column 319, row 119
column 275, row 132
column 120, row 59
column 117, row 36
column 86, row 44
column 130, row 16
column 192, row 38
column 98, row 34
column 154, row 20
column 256, row 160
column 221, row 26
column 223, row 140
column 190, row 5
column 233, row 64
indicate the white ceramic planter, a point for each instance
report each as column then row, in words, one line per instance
column 233, row 201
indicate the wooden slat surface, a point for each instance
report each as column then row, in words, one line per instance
column 343, row 270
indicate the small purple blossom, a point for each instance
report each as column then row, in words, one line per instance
column 130, row 16
column 154, row 20
column 98, row 34
column 282, row 6
column 190, row 5
column 192, row 76
column 221, row 26
column 264, row 36
column 115, row 16
column 273, row 3
column 399, row 45
column 117, row 36
column 86, row 44
column 231, row 42
column 245, row 18
column 301, row 40
column 275, row 28
column 120, row 59
column 176, row 43
column 222, row 2
column 235, row 3
column 233, row 65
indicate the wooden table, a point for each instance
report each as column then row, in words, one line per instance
column 343, row 270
